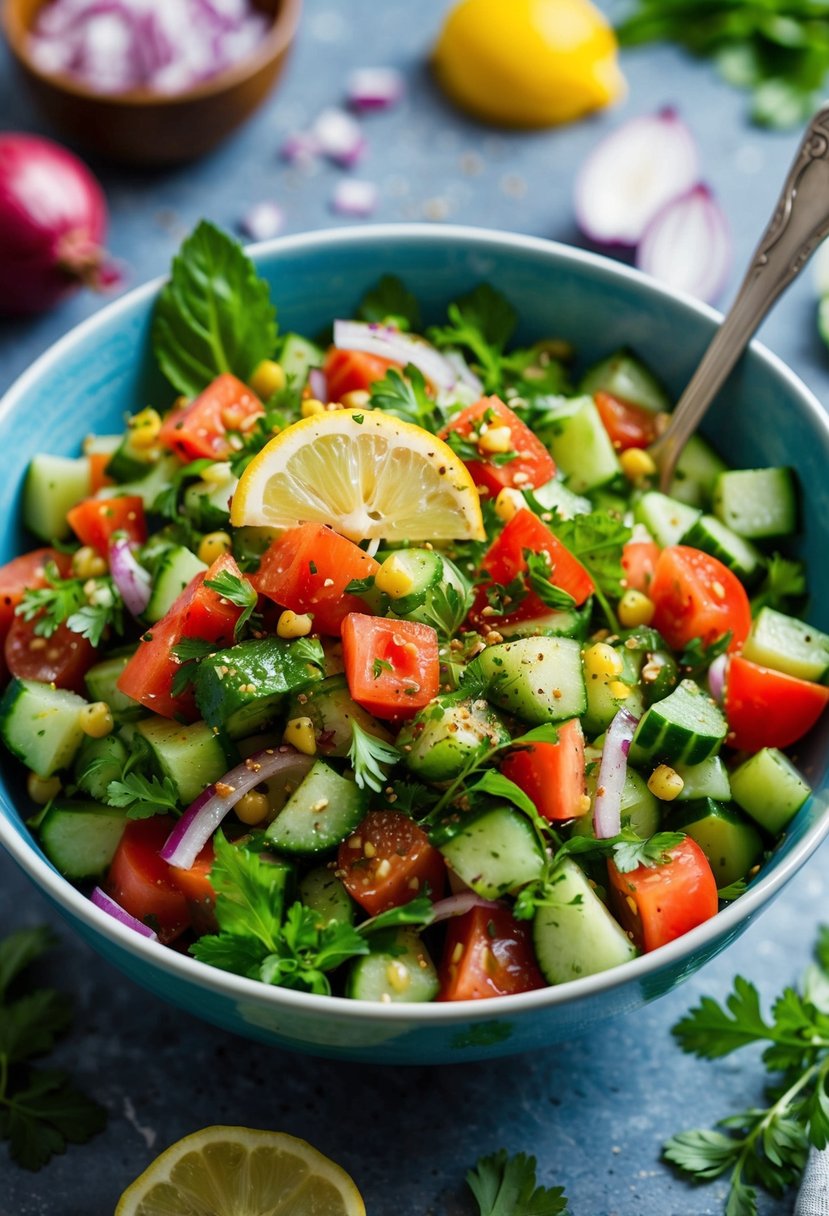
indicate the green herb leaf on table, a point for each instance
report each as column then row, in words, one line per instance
column 505, row 1185
column 368, row 757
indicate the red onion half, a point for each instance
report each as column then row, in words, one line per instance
column 390, row 343
column 374, row 88
column 688, row 245
column 103, row 901
column 607, row 805
column 132, row 580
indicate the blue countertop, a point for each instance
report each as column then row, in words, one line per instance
column 594, row 1111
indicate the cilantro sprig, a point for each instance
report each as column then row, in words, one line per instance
column 505, row 1185
column 481, row 323
column 89, row 607
column 143, row 796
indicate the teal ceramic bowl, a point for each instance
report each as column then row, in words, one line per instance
column 765, row 415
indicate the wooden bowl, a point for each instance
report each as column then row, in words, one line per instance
column 141, row 127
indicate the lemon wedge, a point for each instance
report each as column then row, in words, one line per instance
column 367, row 474
column 236, row 1171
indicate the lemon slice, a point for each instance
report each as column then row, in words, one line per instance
column 236, row 1171
column 367, row 474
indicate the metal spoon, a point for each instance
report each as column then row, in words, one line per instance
column 800, row 222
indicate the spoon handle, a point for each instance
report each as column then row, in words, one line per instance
column 800, row 222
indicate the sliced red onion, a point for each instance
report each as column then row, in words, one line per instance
column 132, row 580
column 688, row 245
column 202, row 817
column 631, row 174
column 459, row 905
column 607, row 805
column 716, row 678
column 339, row 136
column 300, row 147
column 390, row 343
column 103, row 901
column 374, row 88
column 318, row 384
column 354, row 197
column 463, row 371
column 263, row 221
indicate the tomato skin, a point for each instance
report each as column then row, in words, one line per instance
column 307, row 570
column 201, row 428
column 141, row 882
column 532, row 467
column 767, row 708
column 639, row 558
column 487, row 953
column 696, row 596
column 413, row 863
column 410, row 648
column 627, row 425
column 27, row 572
column 62, row 659
column 197, row 889
column 96, row 519
column 348, row 371
column 552, row 774
column 656, row 904
column 204, row 613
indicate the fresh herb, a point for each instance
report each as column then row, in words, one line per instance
column 405, row 397
column 90, row 607
column 358, row 586
column 167, row 502
column 539, row 576
column 189, row 652
column 506, row 1185
column 239, row 591
column 142, row 796
column 465, row 450
column 481, row 322
column 785, row 582
column 40, row 1110
column 698, row 655
column 389, row 302
column 379, row 666
column 446, row 606
column 419, row 911
column 307, row 949
column 763, row 1147
column 630, row 852
column 214, row 314
column 367, row 755
column 597, row 540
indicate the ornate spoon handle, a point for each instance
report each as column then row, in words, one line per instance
column 799, row 224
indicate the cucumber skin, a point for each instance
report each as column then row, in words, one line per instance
column 96, row 829
column 44, row 747
column 368, row 978
column 524, row 678
column 304, row 827
column 577, row 936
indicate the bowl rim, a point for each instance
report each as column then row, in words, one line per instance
column 247, row 991
column 280, row 34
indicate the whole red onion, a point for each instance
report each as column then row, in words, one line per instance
column 53, row 218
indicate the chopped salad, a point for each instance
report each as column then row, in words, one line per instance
column 374, row 665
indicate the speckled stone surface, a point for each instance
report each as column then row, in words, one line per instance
column 595, row 1111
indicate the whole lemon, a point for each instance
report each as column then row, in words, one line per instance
column 528, row 63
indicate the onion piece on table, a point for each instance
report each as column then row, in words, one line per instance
column 338, row 136
column 103, row 901
column 688, row 245
column 202, row 817
column 132, row 580
column 374, row 88
column 263, row 221
column 390, row 343
column 607, row 805
column 631, row 174
column 354, row 197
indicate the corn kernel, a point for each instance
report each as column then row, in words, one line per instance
column 42, row 789
column 619, row 690
column 96, row 720
column 213, row 545
column 144, row 428
column 299, row 732
column 508, row 503
column 268, row 378
column 293, row 624
column 635, row 609
column 398, row 976
column 87, row 563
column 217, row 474
column 495, row 439
column 357, row 399
column 637, row 464
column 311, row 406
column 602, row 661
column 665, row 783
column 393, row 578
column 252, row 808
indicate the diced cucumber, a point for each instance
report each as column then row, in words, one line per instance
column 564, row 623
column 101, row 445
column 738, row 554
column 442, row 738
column 80, row 838
column 101, row 684
column 574, row 934
column 207, row 503
column 623, row 375
column 696, row 473
column 174, row 571
column 603, row 692
column 554, row 496
column 331, row 709
column 757, row 503
column 706, row 780
column 40, row 724
column 666, row 519
column 147, row 488
column 321, row 812
column 537, row 679
column 770, row 789
column 731, row 844
column 98, row 762
column 297, row 357
column 193, row 757
column 787, row 644
column 243, row 687
column 686, row 727
column 399, row 973
column 424, row 570
column 323, row 891
column 580, row 445
column 53, row 485
column 495, row 852
column 639, row 807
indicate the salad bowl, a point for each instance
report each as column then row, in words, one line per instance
column 764, row 416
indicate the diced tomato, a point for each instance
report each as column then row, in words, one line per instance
column 204, row 612
column 392, row 667
column 696, row 596
column 767, row 708
column 23, row 573
column 141, row 882
column 628, row 425
column 98, row 478
column 656, row 904
column 203, row 427
column 487, row 952
column 96, row 519
column 552, row 774
column 389, row 861
column 308, row 569
column 62, row 660
column 639, row 558
column 347, row 371
column 198, row 890
column 533, row 465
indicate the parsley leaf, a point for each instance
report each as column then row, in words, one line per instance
column 506, row 1186
column 143, row 796
column 629, row 852
column 539, row 576
column 214, row 314
column 481, row 322
column 785, row 582
column 367, row 755
column 90, row 607
column 239, row 591
column 697, row 657
column 390, row 302
column 596, row 539
column 405, row 397
column 307, row 949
